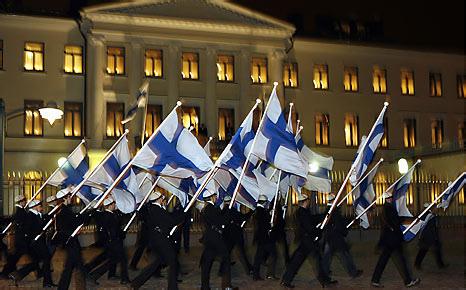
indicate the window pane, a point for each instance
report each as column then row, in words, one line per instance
column 322, row 129
column 153, row 63
column 259, row 70
column 290, row 75
column 78, row 64
column 32, row 120
column 68, row 63
column 351, row 130
column 115, row 113
column 190, row 66
column 350, row 80
column 226, row 122
column 320, row 77
column 28, row 60
column 68, row 123
column 116, row 60
column 407, row 82
column 225, row 68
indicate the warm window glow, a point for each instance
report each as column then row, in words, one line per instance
column 350, row 79
column 190, row 69
column 259, row 70
column 461, row 86
column 115, row 114
column 153, row 63
column 379, row 80
column 461, row 196
column 73, row 119
column 322, row 129
column 153, row 119
column 435, row 84
column 290, row 75
column 33, row 122
column 226, row 123
column 409, row 133
column 225, row 68
column 73, row 59
column 1, row 54
column 190, row 117
column 437, row 133
column 33, row 56
column 462, row 135
column 381, row 184
column 407, row 82
column 349, row 200
column 116, row 60
column 384, row 140
column 320, row 77
column 410, row 195
column 351, row 130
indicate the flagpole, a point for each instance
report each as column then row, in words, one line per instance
column 143, row 133
column 360, row 181
column 211, row 173
column 246, row 164
column 142, row 203
column 276, row 198
column 388, row 189
column 332, row 208
column 128, row 166
column 431, row 205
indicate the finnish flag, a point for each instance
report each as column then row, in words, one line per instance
column 363, row 195
column 367, row 148
column 453, row 189
column 72, row 172
column 276, row 144
column 416, row 228
column 140, row 102
column 127, row 193
column 398, row 192
column 173, row 152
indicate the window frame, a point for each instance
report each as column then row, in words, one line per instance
column 73, row 54
column 327, row 117
column 355, row 142
column 460, row 81
column 259, row 74
column 407, row 85
column 115, row 61
column 190, row 69
column 43, row 57
column 114, row 119
column 384, row 70
column 350, row 69
column 439, row 128
column 432, row 77
column 80, row 106
column 31, row 104
column 413, row 122
column 153, row 64
column 233, row 64
column 295, row 66
column 320, row 75
column 152, row 109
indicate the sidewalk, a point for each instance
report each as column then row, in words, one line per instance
column 363, row 250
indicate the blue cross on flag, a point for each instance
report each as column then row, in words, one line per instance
column 73, row 170
column 453, row 189
column 398, row 192
column 363, row 195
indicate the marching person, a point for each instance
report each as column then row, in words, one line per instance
column 391, row 242
column 234, row 233
column 116, row 253
column 22, row 238
column 279, row 231
column 160, row 223
column 67, row 221
column 266, row 244
column 37, row 249
column 101, row 239
column 335, row 243
column 428, row 238
column 214, row 242
column 306, row 233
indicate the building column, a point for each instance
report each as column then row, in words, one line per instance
column 135, row 80
column 245, row 85
column 95, row 103
column 211, row 109
column 276, row 72
column 173, row 76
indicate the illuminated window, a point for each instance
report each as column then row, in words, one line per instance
column 379, row 80
column 350, row 79
column 320, row 77
column 190, row 117
column 290, row 75
column 153, row 63
column 226, row 123
column 462, row 134
column 225, row 68
column 381, row 184
column 73, row 119
column 322, row 129
column 409, row 133
column 153, row 119
column 115, row 114
column 351, row 130
column 1, row 54
column 435, row 84
column 33, row 122
column 461, row 196
column 407, row 82
column 115, row 60
column 461, row 86
column 190, row 69
column 350, row 199
column 437, row 133
column 259, row 70
column 73, row 59
column 34, row 56
column 410, row 195
column 384, row 140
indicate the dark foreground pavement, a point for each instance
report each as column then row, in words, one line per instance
column 363, row 249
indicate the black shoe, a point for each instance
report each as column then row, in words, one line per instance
column 179, row 280
column 358, row 274
column 376, row 285
column 124, row 281
column 287, row 285
column 413, row 282
column 272, row 277
column 49, row 285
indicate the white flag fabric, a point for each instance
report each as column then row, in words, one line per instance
column 398, row 192
column 140, row 102
column 363, row 196
column 416, row 228
column 73, row 170
column 453, row 189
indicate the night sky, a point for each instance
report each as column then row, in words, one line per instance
column 425, row 25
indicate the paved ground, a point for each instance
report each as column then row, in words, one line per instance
column 364, row 254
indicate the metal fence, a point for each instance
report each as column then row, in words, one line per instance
column 424, row 188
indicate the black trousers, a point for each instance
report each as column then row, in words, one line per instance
column 73, row 261
column 186, row 234
column 215, row 246
column 399, row 260
column 297, row 259
column 265, row 251
column 116, row 254
column 284, row 245
column 437, row 252
column 164, row 252
column 39, row 253
column 20, row 249
column 142, row 244
column 238, row 246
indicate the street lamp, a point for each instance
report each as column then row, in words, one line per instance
column 403, row 166
column 51, row 112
